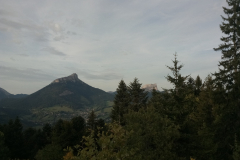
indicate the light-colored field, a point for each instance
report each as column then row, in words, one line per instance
column 59, row 109
column 110, row 103
column 108, row 110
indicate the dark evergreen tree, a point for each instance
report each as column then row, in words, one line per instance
column 47, row 133
column 4, row 152
column 179, row 105
column 14, row 138
column 50, row 152
column 177, row 80
column 191, row 85
column 154, row 100
column 227, row 81
column 198, row 84
column 79, row 129
column 1, row 128
column 178, row 93
column 57, row 132
column 154, row 134
column 121, row 103
column 78, row 123
column 138, row 96
column 236, row 150
column 204, row 118
column 91, row 120
column 32, row 142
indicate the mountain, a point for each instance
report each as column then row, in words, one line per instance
column 5, row 94
column 112, row 92
column 150, row 87
column 67, row 91
column 63, row 98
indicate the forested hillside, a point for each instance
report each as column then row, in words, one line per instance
column 64, row 98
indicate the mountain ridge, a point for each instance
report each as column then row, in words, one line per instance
column 64, row 98
column 5, row 94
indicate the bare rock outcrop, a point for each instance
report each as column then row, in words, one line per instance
column 72, row 78
column 150, row 87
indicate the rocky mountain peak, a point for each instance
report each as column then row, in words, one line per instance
column 150, row 87
column 72, row 78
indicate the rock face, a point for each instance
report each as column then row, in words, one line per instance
column 72, row 78
column 150, row 87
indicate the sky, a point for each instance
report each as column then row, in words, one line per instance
column 104, row 41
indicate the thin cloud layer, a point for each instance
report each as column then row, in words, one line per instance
column 53, row 51
column 15, row 74
column 107, row 40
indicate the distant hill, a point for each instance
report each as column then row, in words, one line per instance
column 112, row 92
column 63, row 98
column 67, row 91
column 5, row 94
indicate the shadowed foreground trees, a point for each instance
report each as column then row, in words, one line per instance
column 4, row 152
column 136, row 140
column 227, row 82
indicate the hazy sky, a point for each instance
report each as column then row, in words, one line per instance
column 104, row 41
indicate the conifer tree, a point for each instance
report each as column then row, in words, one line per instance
column 121, row 103
column 204, row 118
column 179, row 105
column 178, row 92
column 138, row 96
column 177, row 80
column 198, row 83
column 191, row 85
column 14, row 138
column 47, row 133
column 91, row 120
column 227, row 81
column 229, row 67
column 4, row 152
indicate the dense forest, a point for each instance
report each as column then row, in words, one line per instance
column 195, row 119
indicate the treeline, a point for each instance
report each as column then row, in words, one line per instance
column 47, row 143
column 196, row 119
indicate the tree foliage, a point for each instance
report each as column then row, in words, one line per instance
column 138, row 96
column 227, row 82
column 4, row 151
column 121, row 103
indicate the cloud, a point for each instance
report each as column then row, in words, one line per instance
column 6, row 13
column 23, row 55
column 53, row 51
column 103, row 76
column 30, row 74
column 20, row 31
column 125, row 37
column 59, row 38
column 20, row 25
column 96, row 75
column 55, row 27
column 76, row 22
column 71, row 33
